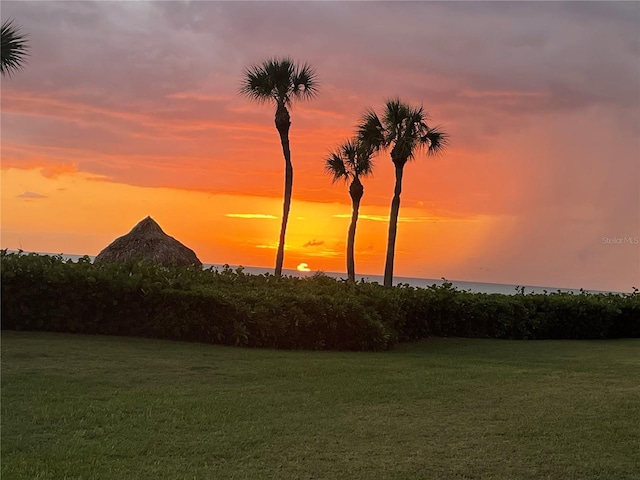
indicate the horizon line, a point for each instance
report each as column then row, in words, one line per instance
column 361, row 275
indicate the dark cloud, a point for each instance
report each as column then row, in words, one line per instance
column 138, row 51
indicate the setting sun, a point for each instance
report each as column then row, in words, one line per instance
column 303, row 267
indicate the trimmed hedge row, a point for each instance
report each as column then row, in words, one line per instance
column 139, row 299
column 229, row 307
column 445, row 311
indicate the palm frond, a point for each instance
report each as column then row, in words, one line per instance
column 349, row 150
column 360, row 157
column 410, row 131
column 280, row 80
column 257, row 84
column 14, row 48
column 335, row 166
column 371, row 132
column 436, row 139
column 364, row 163
column 305, row 83
column 396, row 114
column 405, row 127
column 352, row 159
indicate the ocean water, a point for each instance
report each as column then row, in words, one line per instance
column 474, row 287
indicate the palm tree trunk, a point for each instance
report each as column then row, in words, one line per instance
column 356, row 190
column 393, row 228
column 283, row 122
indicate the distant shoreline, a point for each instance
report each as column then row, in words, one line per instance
column 474, row 287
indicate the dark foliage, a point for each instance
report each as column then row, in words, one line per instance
column 232, row 308
column 14, row 48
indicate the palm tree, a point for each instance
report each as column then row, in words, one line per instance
column 351, row 161
column 14, row 48
column 404, row 129
column 280, row 80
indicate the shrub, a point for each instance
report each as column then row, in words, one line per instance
column 140, row 299
column 229, row 307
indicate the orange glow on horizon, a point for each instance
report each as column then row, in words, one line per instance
column 96, row 212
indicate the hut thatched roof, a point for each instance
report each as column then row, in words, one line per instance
column 147, row 241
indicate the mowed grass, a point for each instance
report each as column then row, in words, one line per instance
column 105, row 407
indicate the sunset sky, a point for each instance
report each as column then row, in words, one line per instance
column 129, row 109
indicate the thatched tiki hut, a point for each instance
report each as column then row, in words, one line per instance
column 147, row 241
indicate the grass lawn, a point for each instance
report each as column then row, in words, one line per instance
column 107, row 407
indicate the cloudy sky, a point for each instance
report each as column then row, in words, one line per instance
column 129, row 109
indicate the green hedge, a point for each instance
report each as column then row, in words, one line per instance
column 230, row 307
column 445, row 311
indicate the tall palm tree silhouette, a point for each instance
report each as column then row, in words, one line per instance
column 403, row 128
column 280, row 80
column 351, row 161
